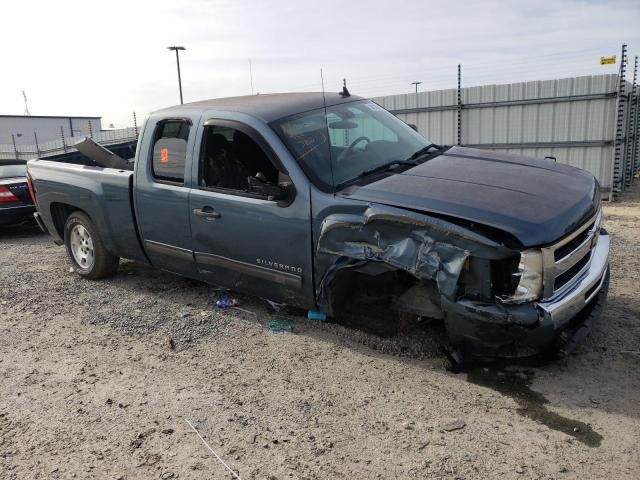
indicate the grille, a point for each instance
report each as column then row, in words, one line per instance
column 565, row 277
column 569, row 258
column 566, row 249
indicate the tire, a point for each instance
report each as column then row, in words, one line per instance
column 85, row 249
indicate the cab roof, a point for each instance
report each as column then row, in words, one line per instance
column 267, row 107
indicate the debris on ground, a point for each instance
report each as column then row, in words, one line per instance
column 281, row 325
column 317, row 316
column 225, row 301
column 275, row 306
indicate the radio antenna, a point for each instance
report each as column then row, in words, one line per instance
column 251, row 76
column 326, row 124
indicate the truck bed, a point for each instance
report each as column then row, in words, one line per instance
column 125, row 150
column 104, row 194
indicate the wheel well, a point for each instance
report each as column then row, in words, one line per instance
column 59, row 214
column 382, row 302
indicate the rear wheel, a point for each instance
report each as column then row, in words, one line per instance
column 86, row 251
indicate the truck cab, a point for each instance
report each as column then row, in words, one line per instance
column 216, row 198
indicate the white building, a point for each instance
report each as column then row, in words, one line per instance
column 47, row 128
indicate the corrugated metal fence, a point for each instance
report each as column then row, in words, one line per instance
column 572, row 119
column 589, row 122
column 55, row 147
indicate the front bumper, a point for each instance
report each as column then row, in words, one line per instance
column 491, row 330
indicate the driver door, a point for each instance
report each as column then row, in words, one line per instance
column 243, row 239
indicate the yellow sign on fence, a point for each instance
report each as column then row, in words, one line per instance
column 608, row 60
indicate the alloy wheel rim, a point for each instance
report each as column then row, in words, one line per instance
column 82, row 247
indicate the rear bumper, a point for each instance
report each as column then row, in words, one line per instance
column 13, row 215
column 484, row 330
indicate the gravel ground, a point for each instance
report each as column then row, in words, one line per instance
column 99, row 380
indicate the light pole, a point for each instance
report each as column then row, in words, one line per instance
column 416, row 84
column 177, row 49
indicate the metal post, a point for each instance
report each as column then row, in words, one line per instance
column 90, row 129
column 459, row 109
column 631, row 128
column 135, row 123
column 177, row 49
column 179, row 78
column 64, row 144
column 633, row 140
column 35, row 137
column 15, row 148
column 636, row 136
column 416, row 84
column 617, row 166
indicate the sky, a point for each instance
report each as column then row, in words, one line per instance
column 109, row 58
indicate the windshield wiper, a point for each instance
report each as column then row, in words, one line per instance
column 382, row 168
column 423, row 151
column 411, row 161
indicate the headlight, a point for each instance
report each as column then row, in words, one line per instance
column 529, row 276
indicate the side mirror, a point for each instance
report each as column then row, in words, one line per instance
column 259, row 185
column 284, row 193
column 288, row 194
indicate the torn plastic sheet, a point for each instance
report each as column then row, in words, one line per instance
column 275, row 306
column 424, row 246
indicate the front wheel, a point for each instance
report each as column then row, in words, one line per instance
column 86, row 251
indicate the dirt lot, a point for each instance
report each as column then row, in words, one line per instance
column 99, row 379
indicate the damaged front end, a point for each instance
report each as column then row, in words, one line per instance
column 484, row 287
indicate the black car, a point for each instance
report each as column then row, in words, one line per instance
column 16, row 204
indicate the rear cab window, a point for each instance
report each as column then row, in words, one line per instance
column 170, row 151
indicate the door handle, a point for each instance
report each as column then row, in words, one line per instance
column 207, row 213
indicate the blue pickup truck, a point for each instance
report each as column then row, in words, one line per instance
column 329, row 202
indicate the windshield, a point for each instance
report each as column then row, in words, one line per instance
column 362, row 136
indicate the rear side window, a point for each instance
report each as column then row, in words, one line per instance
column 170, row 151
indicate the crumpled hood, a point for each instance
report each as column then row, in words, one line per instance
column 536, row 201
